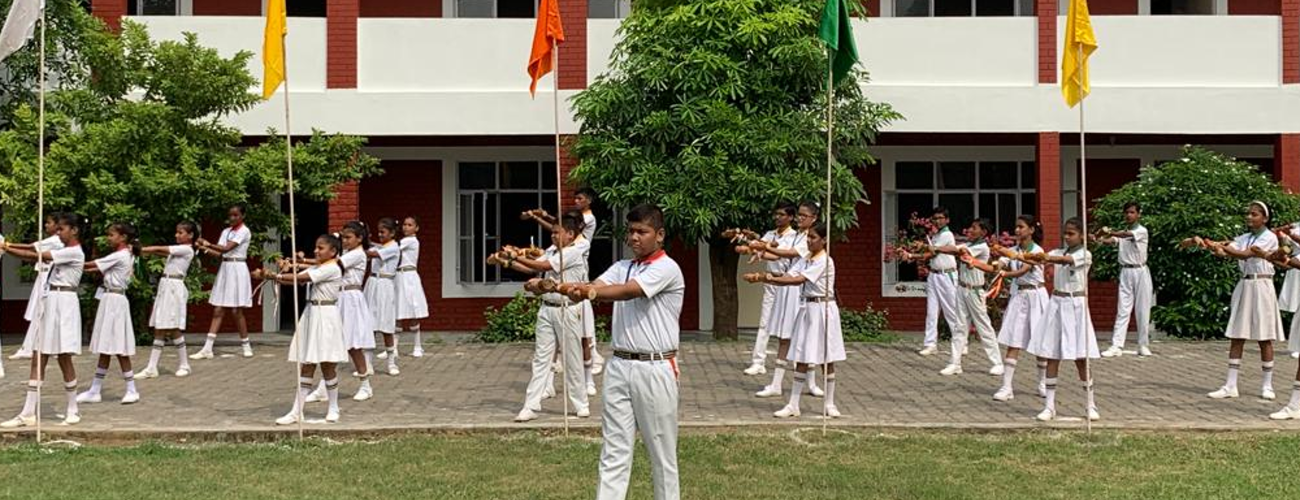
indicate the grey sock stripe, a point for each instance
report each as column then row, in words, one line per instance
column 70, row 386
column 1011, row 362
column 159, row 343
column 332, row 383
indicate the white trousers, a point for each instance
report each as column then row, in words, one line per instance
column 639, row 395
column 1135, row 292
column 971, row 308
column 760, row 341
column 940, row 293
column 560, row 324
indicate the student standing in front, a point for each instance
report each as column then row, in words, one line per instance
column 50, row 243
column 972, row 306
column 411, row 303
column 172, row 299
column 1067, row 333
column 232, row 292
column 381, row 292
column 641, row 379
column 113, row 334
column 783, row 237
column 1025, row 311
column 358, row 323
column 1135, row 288
column 785, row 303
column 940, row 284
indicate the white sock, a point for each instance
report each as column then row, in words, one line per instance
column 799, row 379
column 1008, row 372
column 179, row 342
column 332, row 392
column 304, row 388
column 1042, row 372
column 129, row 377
column 392, row 357
column 1234, row 365
column 97, row 383
column 365, row 382
column 778, row 374
column 812, row 378
column 33, row 399
column 155, row 354
column 830, row 390
column 1268, row 375
column 246, row 343
column 1051, row 393
column 1294, row 404
column 370, row 359
column 1087, row 389
column 586, row 368
column 419, row 346
column 70, row 389
column 207, row 344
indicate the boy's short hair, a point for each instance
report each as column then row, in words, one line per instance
column 939, row 211
column 1133, row 204
column 646, row 213
column 571, row 221
column 588, row 192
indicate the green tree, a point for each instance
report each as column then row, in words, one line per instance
column 145, row 142
column 716, row 111
column 1203, row 194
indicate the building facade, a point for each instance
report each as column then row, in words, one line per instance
column 439, row 88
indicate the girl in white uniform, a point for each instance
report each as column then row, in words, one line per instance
column 320, row 338
column 114, row 334
column 173, row 297
column 1067, row 333
column 785, row 304
column 51, row 242
column 60, row 319
column 232, row 292
column 358, row 324
column 411, row 304
column 1024, row 314
column 782, row 217
column 381, row 295
column 817, row 338
column 1255, row 314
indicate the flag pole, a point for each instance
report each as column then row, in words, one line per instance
column 293, row 237
column 1083, row 212
column 559, row 208
column 826, row 273
column 41, row 359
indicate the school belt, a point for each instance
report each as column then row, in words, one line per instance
column 1258, row 276
column 406, row 269
column 1069, row 294
column 1133, row 266
column 234, row 259
column 61, row 288
column 972, row 287
column 645, row 356
column 817, row 299
column 552, row 303
column 383, row 276
column 174, row 276
column 322, row 302
column 1027, row 286
column 944, row 270
column 118, row 291
column 349, row 288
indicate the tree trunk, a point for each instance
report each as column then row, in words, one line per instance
column 722, row 267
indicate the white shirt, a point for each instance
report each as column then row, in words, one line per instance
column 1072, row 278
column 1133, row 250
column 326, row 281
column 943, row 262
column 49, row 244
column 116, row 268
column 354, row 266
column 1266, row 241
column 410, row 250
column 178, row 260
column 574, row 268
column 648, row 324
column 1035, row 274
column 386, row 262
column 969, row 275
column 241, row 237
column 813, row 270
column 589, row 225
column 783, row 239
column 797, row 240
column 66, row 266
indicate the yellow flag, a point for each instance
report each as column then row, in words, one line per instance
column 273, row 48
column 1079, row 44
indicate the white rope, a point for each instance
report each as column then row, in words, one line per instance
column 559, row 207
column 826, row 272
column 37, row 356
column 1083, row 212
column 293, row 245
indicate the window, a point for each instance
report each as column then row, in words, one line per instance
column 154, row 7
column 490, row 197
column 495, row 8
column 306, row 8
column 995, row 190
column 963, row 8
column 608, row 9
column 1182, row 7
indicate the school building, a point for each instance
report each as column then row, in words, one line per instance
column 439, row 88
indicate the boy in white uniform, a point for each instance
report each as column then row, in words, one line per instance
column 783, row 235
column 972, row 307
column 1135, row 289
column 940, row 285
column 641, row 379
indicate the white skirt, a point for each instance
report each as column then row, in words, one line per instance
column 1022, row 318
column 815, row 341
column 358, row 324
column 38, row 287
column 60, row 324
column 411, row 303
column 588, row 320
column 1067, row 332
column 1294, row 344
column 381, row 297
column 113, row 333
column 233, row 287
column 1255, row 314
column 781, row 320
column 169, row 305
column 319, row 338
column 1289, row 298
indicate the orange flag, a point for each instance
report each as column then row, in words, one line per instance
column 549, row 33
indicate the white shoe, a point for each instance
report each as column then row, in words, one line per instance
column 997, row 370
column 928, row 350
column 183, row 371
column 1267, row 393
column 316, row 396
column 1093, row 415
column 21, row 355
column 131, row 397
column 591, row 389
column 382, row 354
column 597, row 363
column 965, row 350
column 1046, row 415
column 815, row 391
column 1295, row 355
column 525, row 415
column 1223, row 393
column 71, row 419
column 147, row 373
column 951, row 369
column 363, row 394
column 833, row 412
column 549, row 392
column 392, row 370
column 787, row 412
column 288, row 419
column 1004, row 394
column 89, row 397
column 332, row 417
column 248, row 351
column 19, row 421
column 756, row 369
column 1114, row 352
column 584, row 413
column 202, row 354
column 556, row 367
column 1286, row 413
column 1144, row 351
column 418, row 352
column 768, row 392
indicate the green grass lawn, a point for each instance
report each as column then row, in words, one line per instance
column 742, row 464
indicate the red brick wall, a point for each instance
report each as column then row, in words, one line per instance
column 1286, row 161
column 345, row 206
column 568, row 190
column 688, row 258
column 1255, row 7
column 859, row 264
column 341, row 44
column 573, row 52
column 1113, row 7
column 1047, row 156
column 1290, row 41
column 873, row 7
column 401, row 8
column 1046, row 11
column 109, row 11
column 228, row 7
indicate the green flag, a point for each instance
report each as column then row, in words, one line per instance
column 837, row 32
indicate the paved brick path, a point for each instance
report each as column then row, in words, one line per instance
column 460, row 385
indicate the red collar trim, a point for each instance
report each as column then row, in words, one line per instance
column 653, row 257
column 236, row 227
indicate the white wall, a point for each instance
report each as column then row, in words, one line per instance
column 304, row 46
column 445, row 55
column 949, row 51
column 1185, row 51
